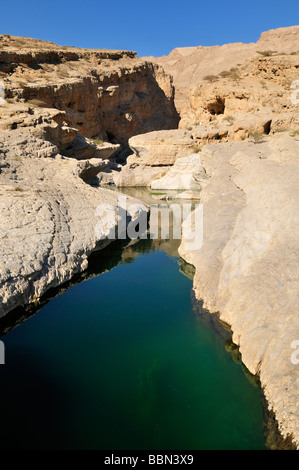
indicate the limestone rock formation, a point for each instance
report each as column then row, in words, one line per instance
column 183, row 175
column 65, row 112
column 153, row 155
column 48, row 217
column 68, row 110
column 247, row 268
column 189, row 65
column 259, row 89
column 110, row 95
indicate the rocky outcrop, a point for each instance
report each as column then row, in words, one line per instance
column 247, row 268
column 48, row 126
column 153, row 154
column 48, row 217
column 64, row 110
column 185, row 174
column 259, row 89
column 189, row 65
column 110, row 95
column 245, row 102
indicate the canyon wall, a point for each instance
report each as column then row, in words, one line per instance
column 237, row 153
column 194, row 67
column 247, row 269
column 65, row 114
column 110, row 95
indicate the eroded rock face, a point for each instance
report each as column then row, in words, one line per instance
column 185, row 174
column 260, row 88
column 111, row 95
column 57, row 100
column 247, row 268
column 189, row 65
column 62, row 103
column 153, row 154
column 48, row 217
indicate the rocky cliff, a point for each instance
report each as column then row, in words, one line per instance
column 190, row 65
column 65, row 114
column 247, row 269
column 238, row 152
column 48, row 217
column 109, row 95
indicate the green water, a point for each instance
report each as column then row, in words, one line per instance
column 125, row 361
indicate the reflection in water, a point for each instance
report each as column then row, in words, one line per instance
column 118, row 252
column 131, row 363
column 127, row 360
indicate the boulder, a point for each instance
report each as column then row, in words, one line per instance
column 186, row 174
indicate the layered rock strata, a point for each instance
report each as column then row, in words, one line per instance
column 189, row 66
column 153, row 154
column 110, row 95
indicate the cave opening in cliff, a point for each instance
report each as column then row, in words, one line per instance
column 111, row 137
column 216, row 107
column 267, row 127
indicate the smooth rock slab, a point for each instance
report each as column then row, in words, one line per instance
column 248, row 269
column 183, row 175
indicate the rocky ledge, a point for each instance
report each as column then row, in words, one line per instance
column 48, row 218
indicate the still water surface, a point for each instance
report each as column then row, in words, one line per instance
column 124, row 360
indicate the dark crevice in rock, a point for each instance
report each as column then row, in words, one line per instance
column 267, row 127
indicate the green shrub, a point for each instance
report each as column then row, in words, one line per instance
column 229, row 119
column 257, row 136
column 235, row 76
column 211, row 78
column 98, row 142
column 229, row 74
column 224, row 73
column 195, row 148
column 267, row 53
column 37, row 103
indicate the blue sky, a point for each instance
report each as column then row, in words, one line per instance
column 150, row 28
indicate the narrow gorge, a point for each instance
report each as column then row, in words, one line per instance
column 217, row 126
